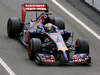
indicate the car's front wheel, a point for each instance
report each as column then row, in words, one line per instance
column 34, row 46
column 82, row 46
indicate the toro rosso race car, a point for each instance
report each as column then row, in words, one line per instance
column 46, row 37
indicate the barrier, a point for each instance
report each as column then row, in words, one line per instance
column 94, row 3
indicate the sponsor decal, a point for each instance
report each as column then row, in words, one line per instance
column 47, row 58
column 80, row 58
column 29, row 5
column 35, row 8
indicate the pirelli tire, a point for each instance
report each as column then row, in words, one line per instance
column 34, row 47
column 59, row 22
column 13, row 27
column 82, row 46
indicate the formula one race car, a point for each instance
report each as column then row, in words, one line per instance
column 46, row 37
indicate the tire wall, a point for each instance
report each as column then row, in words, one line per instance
column 94, row 3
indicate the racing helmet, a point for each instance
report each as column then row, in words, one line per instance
column 48, row 27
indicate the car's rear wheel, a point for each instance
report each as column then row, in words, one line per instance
column 82, row 46
column 34, row 47
column 59, row 22
column 13, row 27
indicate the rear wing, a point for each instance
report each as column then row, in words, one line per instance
column 33, row 7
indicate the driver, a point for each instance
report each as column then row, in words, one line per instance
column 49, row 27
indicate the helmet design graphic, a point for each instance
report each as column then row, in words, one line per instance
column 48, row 27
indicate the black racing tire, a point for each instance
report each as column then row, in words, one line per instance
column 34, row 46
column 52, row 20
column 82, row 46
column 59, row 22
column 13, row 27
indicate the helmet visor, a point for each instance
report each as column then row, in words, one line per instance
column 48, row 28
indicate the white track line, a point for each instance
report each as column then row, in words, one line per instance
column 6, row 67
column 76, row 19
column 92, row 73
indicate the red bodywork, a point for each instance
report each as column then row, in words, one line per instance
column 32, row 7
column 38, row 22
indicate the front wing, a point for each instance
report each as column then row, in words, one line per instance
column 77, row 58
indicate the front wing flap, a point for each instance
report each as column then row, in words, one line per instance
column 46, row 58
column 82, row 58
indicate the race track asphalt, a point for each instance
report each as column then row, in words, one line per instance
column 15, row 55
